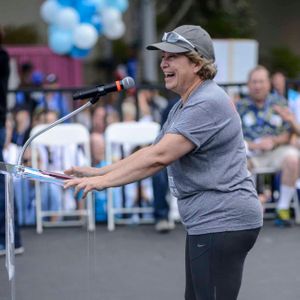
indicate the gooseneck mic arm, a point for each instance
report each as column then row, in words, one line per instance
column 95, row 93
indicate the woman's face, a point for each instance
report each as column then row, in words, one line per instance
column 180, row 73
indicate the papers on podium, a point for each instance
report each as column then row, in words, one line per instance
column 33, row 174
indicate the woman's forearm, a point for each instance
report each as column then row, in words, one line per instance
column 139, row 165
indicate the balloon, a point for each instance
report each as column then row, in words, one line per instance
column 79, row 53
column 66, row 2
column 49, row 10
column 86, row 10
column 120, row 5
column 110, row 16
column 85, row 36
column 60, row 41
column 99, row 4
column 115, row 31
column 67, row 18
column 52, row 28
column 97, row 23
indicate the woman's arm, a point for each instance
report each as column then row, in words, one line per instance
column 137, row 166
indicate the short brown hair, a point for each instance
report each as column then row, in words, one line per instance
column 208, row 69
column 258, row 68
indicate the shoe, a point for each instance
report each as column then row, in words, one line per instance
column 18, row 250
column 163, row 226
column 283, row 218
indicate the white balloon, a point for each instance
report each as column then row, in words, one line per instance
column 114, row 31
column 110, row 16
column 85, row 36
column 67, row 18
column 49, row 10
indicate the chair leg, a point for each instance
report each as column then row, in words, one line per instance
column 38, row 203
column 110, row 212
column 296, row 207
column 90, row 213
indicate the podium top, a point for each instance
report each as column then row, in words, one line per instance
column 33, row 174
column 9, row 168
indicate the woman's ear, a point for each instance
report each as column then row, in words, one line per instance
column 197, row 67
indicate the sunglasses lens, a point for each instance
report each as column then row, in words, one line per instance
column 172, row 37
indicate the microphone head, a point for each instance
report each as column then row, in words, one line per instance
column 128, row 83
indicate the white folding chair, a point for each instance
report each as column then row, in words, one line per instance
column 263, row 171
column 63, row 135
column 127, row 135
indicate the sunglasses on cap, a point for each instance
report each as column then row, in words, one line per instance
column 173, row 37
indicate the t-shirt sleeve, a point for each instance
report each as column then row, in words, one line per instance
column 197, row 125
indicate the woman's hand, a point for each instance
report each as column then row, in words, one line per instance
column 82, row 171
column 86, row 184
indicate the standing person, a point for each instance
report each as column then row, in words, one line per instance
column 4, row 75
column 202, row 145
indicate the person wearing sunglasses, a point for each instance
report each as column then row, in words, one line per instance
column 201, row 145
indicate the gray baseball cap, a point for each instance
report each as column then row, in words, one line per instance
column 184, row 39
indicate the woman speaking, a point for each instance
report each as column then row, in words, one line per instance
column 202, row 146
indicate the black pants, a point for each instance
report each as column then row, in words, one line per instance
column 214, row 264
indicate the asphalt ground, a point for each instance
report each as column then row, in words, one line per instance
column 136, row 263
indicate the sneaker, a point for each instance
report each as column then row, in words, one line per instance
column 18, row 250
column 163, row 226
column 283, row 218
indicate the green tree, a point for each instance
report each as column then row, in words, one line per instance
column 283, row 59
column 221, row 18
column 18, row 35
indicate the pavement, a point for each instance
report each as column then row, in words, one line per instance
column 136, row 263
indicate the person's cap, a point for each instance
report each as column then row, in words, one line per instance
column 184, row 39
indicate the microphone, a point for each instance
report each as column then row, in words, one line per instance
column 102, row 90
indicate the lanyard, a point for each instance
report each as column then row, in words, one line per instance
column 261, row 118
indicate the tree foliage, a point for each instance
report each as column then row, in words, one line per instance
column 21, row 35
column 221, row 18
column 284, row 60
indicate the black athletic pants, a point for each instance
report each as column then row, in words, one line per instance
column 214, row 264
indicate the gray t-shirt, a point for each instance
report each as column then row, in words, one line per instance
column 214, row 189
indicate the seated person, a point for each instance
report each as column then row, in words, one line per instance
column 267, row 136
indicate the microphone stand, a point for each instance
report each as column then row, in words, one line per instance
column 68, row 116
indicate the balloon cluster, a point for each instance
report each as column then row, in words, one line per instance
column 74, row 25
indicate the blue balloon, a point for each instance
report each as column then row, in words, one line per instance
column 86, row 10
column 120, row 5
column 65, row 2
column 79, row 53
column 60, row 42
column 96, row 22
column 100, row 4
column 51, row 29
